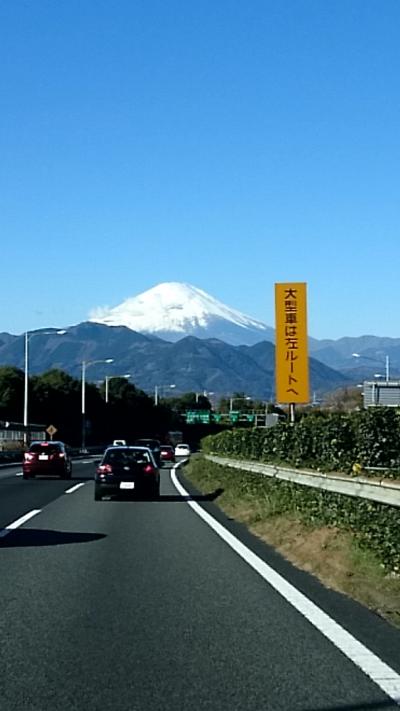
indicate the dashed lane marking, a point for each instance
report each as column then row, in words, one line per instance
column 74, row 488
column 16, row 524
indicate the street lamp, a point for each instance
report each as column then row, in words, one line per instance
column 157, row 388
column 376, row 360
column 86, row 364
column 234, row 399
column 205, row 393
column 110, row 377
column 28, row 336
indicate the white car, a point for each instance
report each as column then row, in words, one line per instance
column 182, row 450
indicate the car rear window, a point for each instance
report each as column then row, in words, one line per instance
column 45, row 448
column 121, row 456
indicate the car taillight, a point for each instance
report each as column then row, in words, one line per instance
column 104, row 469
column 149, row 469
column 28, row 456
column 61, row 455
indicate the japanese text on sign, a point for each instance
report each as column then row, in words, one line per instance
column 291, row 352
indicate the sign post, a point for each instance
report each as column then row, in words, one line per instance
column 51, row 430
column 291, row 349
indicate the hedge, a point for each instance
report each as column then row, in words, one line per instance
column 346, row 442
column 376, row 526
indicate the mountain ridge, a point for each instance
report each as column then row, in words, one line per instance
column 192, row 364
column 172, row 310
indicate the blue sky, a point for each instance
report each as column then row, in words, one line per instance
column 229, row 145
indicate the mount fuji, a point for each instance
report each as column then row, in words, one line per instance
column 173, row 310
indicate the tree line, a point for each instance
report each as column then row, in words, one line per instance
column 55, row 398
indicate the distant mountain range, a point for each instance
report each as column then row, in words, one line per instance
column 174, row 310
column 177, row 333
column 191, row 364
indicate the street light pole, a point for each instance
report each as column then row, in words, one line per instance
column 110, row 377
column 375, row 360
column 85, row 364
column 232, row 399
column 83, row 447
column 29, row 335
column 26, row 390
column 157, row 389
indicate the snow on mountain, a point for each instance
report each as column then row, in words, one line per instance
column 173, row 310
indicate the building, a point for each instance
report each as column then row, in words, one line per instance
column 381, row 394
column 12, row 434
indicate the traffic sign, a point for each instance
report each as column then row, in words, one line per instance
column 197, row 416
column 51, row 430
column 291, row 347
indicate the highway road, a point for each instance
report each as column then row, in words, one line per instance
column 168, row 605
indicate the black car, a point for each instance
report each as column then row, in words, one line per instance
column 152, row 444
column 127, row 471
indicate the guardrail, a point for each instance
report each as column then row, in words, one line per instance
column 10, row 457
column 381, row 491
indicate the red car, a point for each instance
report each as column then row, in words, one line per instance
column 47, row 458
column 167, row 453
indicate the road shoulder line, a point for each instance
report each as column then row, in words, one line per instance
column 378, row 671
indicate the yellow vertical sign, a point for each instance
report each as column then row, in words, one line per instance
column 291, row 349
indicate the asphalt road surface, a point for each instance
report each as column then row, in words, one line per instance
column 142, row 605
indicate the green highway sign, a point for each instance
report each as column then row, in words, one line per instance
column 194, row 417
column 204, row 417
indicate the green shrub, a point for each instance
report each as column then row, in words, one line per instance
column 376, row 526
column 326, row 442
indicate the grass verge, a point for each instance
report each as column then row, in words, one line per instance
column 334, row 555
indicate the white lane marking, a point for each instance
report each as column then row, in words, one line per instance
column 19, row 473
column 74, row 488
column 16, row 524
column 380, row 673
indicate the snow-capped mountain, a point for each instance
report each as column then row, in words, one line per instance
column 174, row 310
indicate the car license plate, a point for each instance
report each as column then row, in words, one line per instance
column 43, row 456
column 127, row 485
